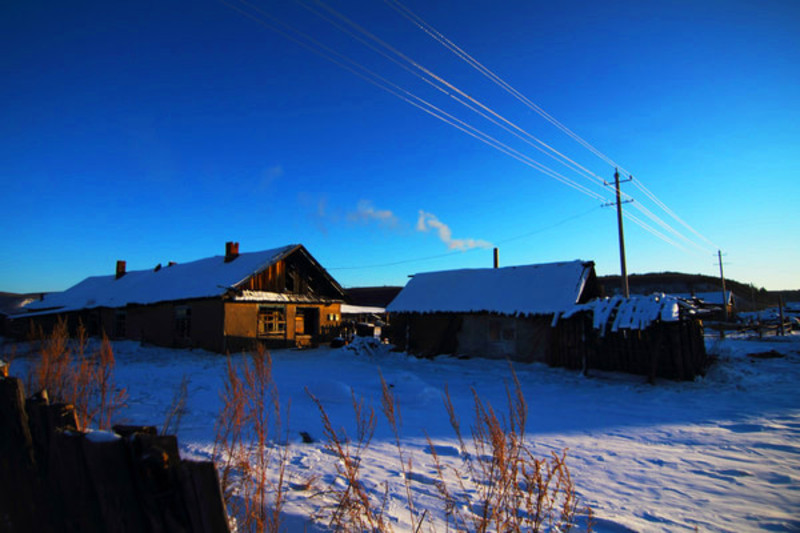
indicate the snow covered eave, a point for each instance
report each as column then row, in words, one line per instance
column 348, row 309
column 514, row 314
column 634, row 313
column 278, row 297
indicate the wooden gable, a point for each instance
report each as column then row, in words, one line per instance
column 297, row 272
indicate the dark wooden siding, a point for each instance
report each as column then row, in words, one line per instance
column 672, row 350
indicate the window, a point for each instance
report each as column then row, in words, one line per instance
column 271, row 321
column 183, row 321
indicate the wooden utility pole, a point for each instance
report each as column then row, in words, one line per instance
column 724, row 292
column 623, row 268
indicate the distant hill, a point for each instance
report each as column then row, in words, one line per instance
column 748, row 296
column 11, row 302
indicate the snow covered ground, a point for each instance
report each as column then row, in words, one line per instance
column 721, row 453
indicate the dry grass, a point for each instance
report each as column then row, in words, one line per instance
column 349, row 504
column 244, row 449
column 177, row 408
column 391, row 410
column 70, row 375
column 501, row 485
column 497, row 485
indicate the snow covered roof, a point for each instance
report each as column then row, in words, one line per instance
column 636, row 312
column 203, row 278
column 348, row 309
column 517, row 290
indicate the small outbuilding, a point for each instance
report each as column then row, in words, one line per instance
column 656, row 335
column 488, row 312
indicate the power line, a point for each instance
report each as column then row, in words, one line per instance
column 477, row 65
column 445, row 86
column 373, row 78
column 459, row 52
column 499, row 121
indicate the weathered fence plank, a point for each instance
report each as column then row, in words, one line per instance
column 56, row 478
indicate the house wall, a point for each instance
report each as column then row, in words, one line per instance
column 534, row 338
column 499, row 337
column 241, row 325
column 473, row 335
column 426, row 335
column 156, row 324
column 330, row 319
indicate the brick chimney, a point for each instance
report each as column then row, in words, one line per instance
column 120, row 269
column 231, row 251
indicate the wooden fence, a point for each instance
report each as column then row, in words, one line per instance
column 55, row 478
column 672, row 350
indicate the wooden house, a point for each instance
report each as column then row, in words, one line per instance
column 280, row 297
column 488, row 312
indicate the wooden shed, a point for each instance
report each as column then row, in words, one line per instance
column 489, row 312
column 279, row 297
column 655, row 336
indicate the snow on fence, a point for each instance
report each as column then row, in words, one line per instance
column 55, row 478
column 655, row 336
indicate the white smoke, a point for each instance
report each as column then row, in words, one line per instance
column 366, row 213
column 427, row 221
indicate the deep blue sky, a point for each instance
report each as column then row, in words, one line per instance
column 155, row 131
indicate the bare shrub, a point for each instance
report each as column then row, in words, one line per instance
column 72, row 376
column 177, row 408
column 243, row 450
column 51, row 371
column 351, row 507
column 501, row 485
column 110, row 398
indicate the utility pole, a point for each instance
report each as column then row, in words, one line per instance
column 724, row 292
column 623, row 267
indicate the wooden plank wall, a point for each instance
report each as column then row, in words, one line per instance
column 672, row 350
column 272, row 279
column 55, row 478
